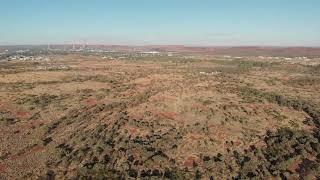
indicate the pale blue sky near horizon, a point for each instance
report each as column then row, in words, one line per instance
column 165, row 22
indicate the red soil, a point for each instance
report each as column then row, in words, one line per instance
column 218, row 131
column 2, row 168
column 162, row 98
column 136, row 115
column 28, row 125
column 34, row 149
column 132, row 131
column 195, row 136
column 199, row 107
column 91, row 101
column 170, row 115
column 294, row 166
column 191, row 162
column 22, row 114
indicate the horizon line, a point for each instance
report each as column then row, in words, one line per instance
column 167, row 45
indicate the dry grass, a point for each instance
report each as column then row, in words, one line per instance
column 156, row 117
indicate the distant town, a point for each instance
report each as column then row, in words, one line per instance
column 289, row 55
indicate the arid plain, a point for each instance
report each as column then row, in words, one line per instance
column 84, row 116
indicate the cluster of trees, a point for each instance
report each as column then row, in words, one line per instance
column 284, row 157
column 107, row 150
column 308, row 107
column 288, row 154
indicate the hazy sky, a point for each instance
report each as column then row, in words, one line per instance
column 189, row 22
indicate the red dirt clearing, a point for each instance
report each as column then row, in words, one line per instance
column 3, row 168
column 169, row 115
column 91, row 101
column 191, row 162
column 23, row 114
